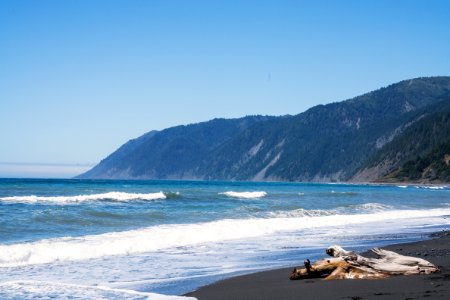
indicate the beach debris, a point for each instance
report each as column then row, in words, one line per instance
column 350, row 265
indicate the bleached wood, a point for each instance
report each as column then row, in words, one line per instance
column 349, row 265
column 401, row 259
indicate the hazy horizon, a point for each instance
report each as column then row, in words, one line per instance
column 42, row 170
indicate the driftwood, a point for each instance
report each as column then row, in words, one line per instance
column 349, row 265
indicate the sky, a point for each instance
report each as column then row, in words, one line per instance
column 78, row 78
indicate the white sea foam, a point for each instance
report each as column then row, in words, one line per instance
column 115, row 196
column 402, row 186
column 365, row 207
column 245, row 195
column 371, row 207
column 177, row 235
column 31, row 289
column 301, row 212
column 433, row 187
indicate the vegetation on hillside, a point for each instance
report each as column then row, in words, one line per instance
column 414, row 148
column 431, row 167
column 325, row 143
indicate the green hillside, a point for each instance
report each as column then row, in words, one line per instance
column 327, row 142
column 419, row 140
column 334, row 142
column 434, row 166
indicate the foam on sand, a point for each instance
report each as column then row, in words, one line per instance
column 114, row 196
column 177, row 235
column 245, row 195
column 30, row 289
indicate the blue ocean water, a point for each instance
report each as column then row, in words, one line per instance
column 129, row 239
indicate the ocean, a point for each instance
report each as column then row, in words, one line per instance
column 116, row 239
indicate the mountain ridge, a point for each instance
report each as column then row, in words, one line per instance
column 325, row 143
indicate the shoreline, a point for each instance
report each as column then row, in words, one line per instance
column 443, row 184
column 275, row 284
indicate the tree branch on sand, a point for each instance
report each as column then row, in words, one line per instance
column 349, row 265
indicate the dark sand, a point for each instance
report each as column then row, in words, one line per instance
column 275, row 284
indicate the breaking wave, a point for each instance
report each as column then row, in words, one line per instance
column 178, row 235
column 112, row 196
column 358, row 208
column 244, row 195
column 301, row 212
column 425, row 187
column 370, row 207
column 432, row 187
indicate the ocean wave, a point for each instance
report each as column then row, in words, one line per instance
column 332, row 194
column 179, row 235
column 344, row 193
column 112, row 196
column 370, row 207
column 432, row 187
column 31, row 289
column 244, row 195
column 171, row 195
column 301, row 212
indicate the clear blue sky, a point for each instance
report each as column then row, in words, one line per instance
column 80, row 78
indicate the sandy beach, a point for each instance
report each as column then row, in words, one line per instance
column 275, row 284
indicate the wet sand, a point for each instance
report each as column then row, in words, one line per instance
column 275, row 284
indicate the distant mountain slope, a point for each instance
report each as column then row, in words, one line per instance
column 417, row 154
column 326, row 143
column 171, row 153
column 433, row 166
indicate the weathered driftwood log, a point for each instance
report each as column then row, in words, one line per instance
column 349, row 265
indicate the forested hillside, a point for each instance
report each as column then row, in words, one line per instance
column 349, row 140
column 173, row 153
column 428, row 134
